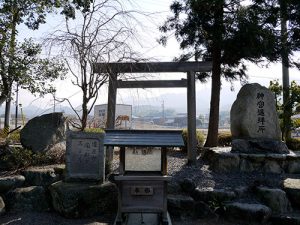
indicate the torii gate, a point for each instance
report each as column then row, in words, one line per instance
column 156, row 67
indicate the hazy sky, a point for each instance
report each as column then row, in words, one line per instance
column 172, row 97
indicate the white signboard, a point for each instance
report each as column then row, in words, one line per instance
column 146, row 159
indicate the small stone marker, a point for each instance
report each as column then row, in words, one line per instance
column 254, row 121
column 85, row 156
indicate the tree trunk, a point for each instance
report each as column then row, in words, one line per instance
column 12, row 45
column 7, row 116
column 84, row 115
column 213, row 127
column 287, row 107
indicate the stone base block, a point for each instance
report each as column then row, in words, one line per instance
column 224, row 160
column 248, row 212
column 256, row 146
column 73, row 200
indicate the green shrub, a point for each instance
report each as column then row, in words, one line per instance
column 199, row 135
column 94, row 130
column 296, row 123
column 13, row 158
column 293, row 144
column 14, row 137
column 224, row 139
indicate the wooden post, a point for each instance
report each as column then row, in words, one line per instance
column 191, row 103
column 111, row 110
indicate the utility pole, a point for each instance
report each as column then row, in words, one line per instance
column 163, row 112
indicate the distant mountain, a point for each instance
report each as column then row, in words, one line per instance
column 33, row 111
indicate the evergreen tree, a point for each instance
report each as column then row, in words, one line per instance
column 276, row 14
column 225, row 31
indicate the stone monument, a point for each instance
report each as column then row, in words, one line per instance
column 43, row 132
column 85, row 156
column 254, row 122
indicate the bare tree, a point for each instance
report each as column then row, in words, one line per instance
column 103, row 33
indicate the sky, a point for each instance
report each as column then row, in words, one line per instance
column 149, row 48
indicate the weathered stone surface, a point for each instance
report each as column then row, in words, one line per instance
column 11, row 182
column 174, row 188
column 181, row 205
column 202, row 210
column 241, row 191
column 222, row 161
column 259, row 146
column 272, row 167
column 292, row 189
column 32, row 198
column 2, row 206
column 43, row 132
column 275, row 199
column 210, row 194
column 247, row 212
column 59, row 169
column 75, row 200
column 85, row 157
column 254, row 115
column 187, row 185
column 293, row 167
column 246, row 166
column 285, row 219
column 40, row 176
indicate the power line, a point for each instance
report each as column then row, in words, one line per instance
column 60, row 102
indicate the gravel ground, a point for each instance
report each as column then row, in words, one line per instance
column 51, row 218
column 178, row 169
column 205, row 178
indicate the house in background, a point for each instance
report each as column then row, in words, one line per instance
column 123, row 116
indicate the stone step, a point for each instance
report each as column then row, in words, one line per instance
column 292, row 188
column 181, row 205
column 34, row 198
column 11, row 182
column 211, row 194
column 286, row 219
column 40, row 176
column 274, row 198
column 247, row 212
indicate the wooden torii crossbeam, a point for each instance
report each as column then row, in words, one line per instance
column 156, row 67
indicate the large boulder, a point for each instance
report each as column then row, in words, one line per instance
column 32, row 198
column 40, row 176
column 274, row 198
column 248, row 212
column 211, row 194
column 11, row 182
column 254, row 121
column 181, row 205
column 43, row 132
column 73, row 200
column 2, row 206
